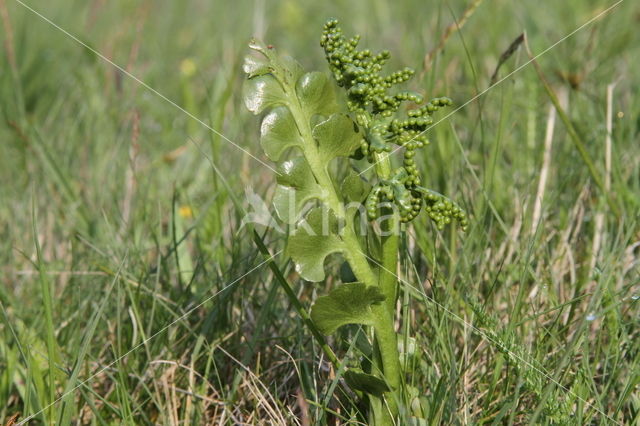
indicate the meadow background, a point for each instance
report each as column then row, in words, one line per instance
column 120, row 213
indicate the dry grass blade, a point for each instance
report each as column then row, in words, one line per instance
column 506, row 55
column 12, row 420
column 544, row 169
column 8, row 40
column 450, row 30
column 598, row 234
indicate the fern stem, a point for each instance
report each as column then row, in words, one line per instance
column 384, row 330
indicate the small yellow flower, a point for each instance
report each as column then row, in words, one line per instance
column 188, row 68
column 185, row 212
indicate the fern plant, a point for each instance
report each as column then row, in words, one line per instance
column 339, row 191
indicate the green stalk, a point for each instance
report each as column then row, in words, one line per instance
column 47, row 301
column 386, row 338
column 390, row 243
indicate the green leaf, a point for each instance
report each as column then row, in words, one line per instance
column 278, row 132
column 295, row 173
column 316, row 93
column 314, row 239
column 262, row 92
column 368, row 383
column 285, row 68
column 291, row 70
column 255, row 67
column 296, row 187
column 346, row 304
column 354, row 188
column 336, row 137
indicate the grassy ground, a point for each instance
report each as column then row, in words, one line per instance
column 120, row 228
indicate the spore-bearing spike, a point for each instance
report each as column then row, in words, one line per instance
column 359, row 72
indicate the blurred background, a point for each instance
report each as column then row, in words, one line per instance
column 134, row 203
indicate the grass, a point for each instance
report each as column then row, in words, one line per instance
column 120, row 215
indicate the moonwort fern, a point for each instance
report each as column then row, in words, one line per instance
column 338, row 190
